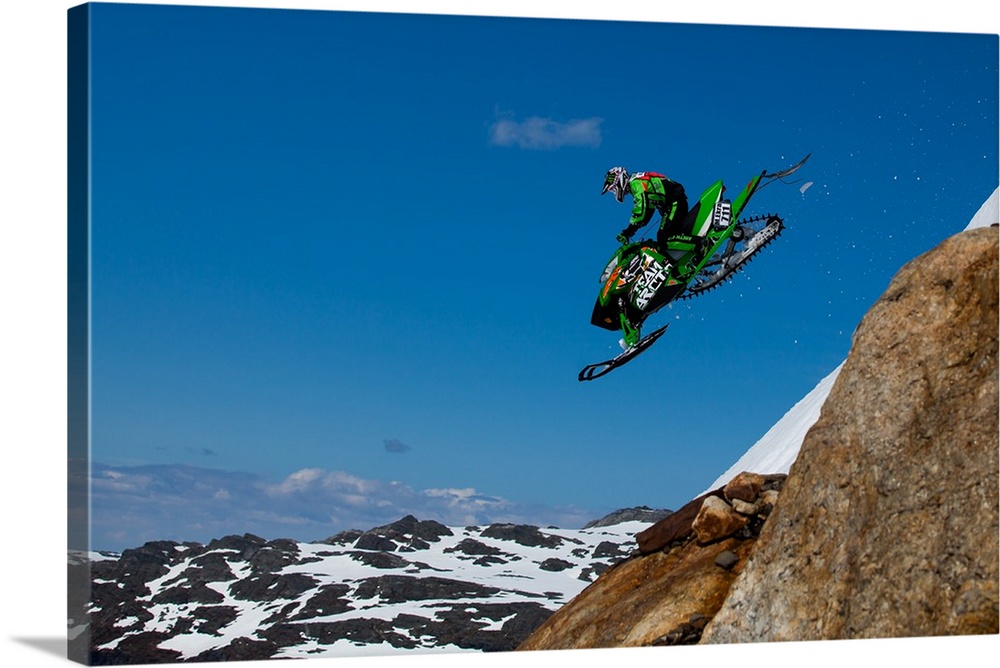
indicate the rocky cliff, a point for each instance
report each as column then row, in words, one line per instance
column 887, row 524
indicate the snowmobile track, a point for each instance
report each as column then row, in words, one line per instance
column 695, row 290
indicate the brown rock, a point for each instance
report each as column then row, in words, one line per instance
column 769, row 498
column 643, row 600
column 716, row 520
column 745, row 486
column 744, row 508
column 672, row 528
column 888, row 522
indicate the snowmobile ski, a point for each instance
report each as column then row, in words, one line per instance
column 785, row 172
column 598, row 369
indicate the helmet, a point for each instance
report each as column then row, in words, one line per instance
column 616, row 180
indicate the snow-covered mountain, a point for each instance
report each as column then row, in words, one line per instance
column 778, row 448
column 410, row 585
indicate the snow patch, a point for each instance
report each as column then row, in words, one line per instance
column 778, row 448
column 987, row 214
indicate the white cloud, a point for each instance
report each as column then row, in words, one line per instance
column 459, row 493
column 537, row 133
column 132, row 505
column 121, row 483
column 302, row 479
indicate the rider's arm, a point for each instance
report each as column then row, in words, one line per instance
column 640, row 206
column 641, row 210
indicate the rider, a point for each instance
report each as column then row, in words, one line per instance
column 650, row 192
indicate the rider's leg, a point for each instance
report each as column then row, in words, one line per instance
column 680, row 250
column 630, row 332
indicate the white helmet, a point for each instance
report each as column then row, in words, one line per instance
column 616, row 180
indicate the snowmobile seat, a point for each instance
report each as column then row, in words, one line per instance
column 678, row 246
column 687, row 225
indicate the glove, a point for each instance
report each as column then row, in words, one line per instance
column 622, row 238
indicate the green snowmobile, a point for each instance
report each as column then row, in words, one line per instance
column 643, row 276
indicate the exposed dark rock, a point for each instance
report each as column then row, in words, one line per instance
column 270, row 587
column 343, row 538
column 138, row 648
column 210, row 619
column 110, row 611
column 415, row 544
column 588, row 574
column 555, row 565
column 406, row 535
column 283, row 634
column 473, row 547
column 490, row 561
column 400, row 588
column 528, row 617
column 210, row 567
column 138, row 566
column 726, row 559
column 528, row 536
column 244, row 546
column 328, row 600
column 465, row 625
column 606, row 549
column 241, row 649
column 376, row 543
column 273, row 557
column 191, row 593
column 284, row 544
column 359, row 631
column 637, row 514
column 381, row 559
column 428, row 530
column 105, row 569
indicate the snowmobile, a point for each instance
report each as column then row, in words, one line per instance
column 643, row 276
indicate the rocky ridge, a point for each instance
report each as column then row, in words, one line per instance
column 637, row 514
column 409, row 585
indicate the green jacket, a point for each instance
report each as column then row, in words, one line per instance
column 652, row 192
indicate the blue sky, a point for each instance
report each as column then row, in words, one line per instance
column 344, row 263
